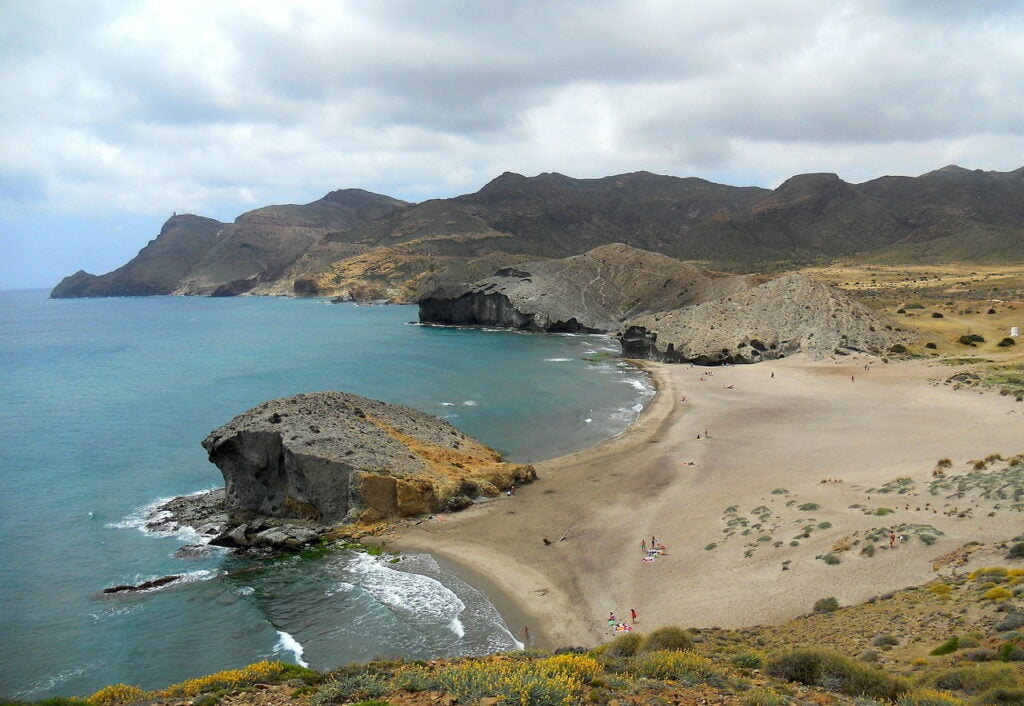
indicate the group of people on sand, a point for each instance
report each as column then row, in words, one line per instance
column 622, row 626
column 656, row 549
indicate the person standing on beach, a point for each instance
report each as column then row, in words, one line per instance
column 643, row 546
column 892, row 540
column 632, row 615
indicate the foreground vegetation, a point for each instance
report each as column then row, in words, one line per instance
column 951, row 642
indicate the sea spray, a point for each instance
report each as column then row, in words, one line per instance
column 287, row 643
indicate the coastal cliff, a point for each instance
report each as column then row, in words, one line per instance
column 589, row 293
column 330, row 457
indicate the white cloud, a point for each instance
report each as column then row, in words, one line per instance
column 157, row 106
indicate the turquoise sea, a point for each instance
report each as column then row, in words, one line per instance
column 104, row 402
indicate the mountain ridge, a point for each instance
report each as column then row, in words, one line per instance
column 346, row 243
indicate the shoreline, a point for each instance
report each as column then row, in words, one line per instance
column 512, row 608
column 827, row 433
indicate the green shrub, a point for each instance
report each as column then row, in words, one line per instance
column 831, row 559
column 764, row 696
column 515, row 682
column 809, row 507
column 669, row 638
column 826, row 605
column 950, row 645
column 930, row 345
column 885, row 640
column 686, row 667
column 1006, row 342
column 413, row 680
column 1000, row 696
column 1016, row 551
column 359, row 686
column 748, row 660
column 624, row 645
column 973, row 679
column 831, row 670
column 1009, row 652
column 929, row 697
column 970, row 339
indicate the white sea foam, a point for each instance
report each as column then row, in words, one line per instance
column 470, row 403
column 246, row 591
column 287, row 643
column 457, row 627
column 447, row 404
column 557, row 360
column 143, row 517
column 53, row 680
column 637, row 384
column 413, row 597
column 588, row 420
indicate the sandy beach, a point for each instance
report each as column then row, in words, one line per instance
column 797, row 455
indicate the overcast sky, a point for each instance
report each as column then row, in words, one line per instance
column 115, row 114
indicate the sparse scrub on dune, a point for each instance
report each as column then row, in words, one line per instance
column 668, row 638
column 833, row 671
column 998, row 593
column 624, row 645
column 826, row 605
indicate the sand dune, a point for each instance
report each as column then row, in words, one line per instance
column 807, row 424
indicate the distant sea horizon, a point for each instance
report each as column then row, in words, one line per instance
column 106, row 401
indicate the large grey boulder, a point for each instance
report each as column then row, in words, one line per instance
column 328, row 457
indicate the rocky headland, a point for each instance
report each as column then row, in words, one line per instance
column 589, row 293
column 791, row 314
column 296, row 468
column 666, row 310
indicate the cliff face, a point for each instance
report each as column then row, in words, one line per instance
column 787, row 315
column 196, row 255
column 333, row 456
column 593, row 292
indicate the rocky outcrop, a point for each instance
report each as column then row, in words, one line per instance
column 197, row 255
column 788, row 315
column 589, row 293
column 329, row 457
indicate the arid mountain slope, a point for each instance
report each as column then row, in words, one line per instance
column 365, row 245
column 195, row 255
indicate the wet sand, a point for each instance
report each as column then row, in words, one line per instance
column 813, row 421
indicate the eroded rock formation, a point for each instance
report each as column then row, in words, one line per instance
column 329, row 457
column 589, row 293
column 783, row 316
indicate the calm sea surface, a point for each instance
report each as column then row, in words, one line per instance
column 104, row 402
